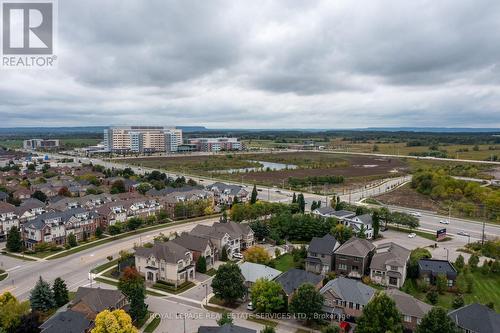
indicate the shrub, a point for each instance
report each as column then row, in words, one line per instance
column 432, row 297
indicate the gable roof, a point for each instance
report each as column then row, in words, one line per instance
column 294, row 278
column 67, row 321
column 251, row 272
column 349, row 290
column 98, row 299
column 355, row 247
column 389, row 254
column 6, row 208
column 168, row 251
column 477, row 318
column 323, row 245
column 407, row 304
column 226, row 328
column 192, row 242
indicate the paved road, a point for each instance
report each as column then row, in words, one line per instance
column 74, row 269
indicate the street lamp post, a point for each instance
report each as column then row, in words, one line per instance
column 447, row 254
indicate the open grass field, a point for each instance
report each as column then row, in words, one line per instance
column 486, row 289
column 308, row 164
column 66, row 143
column 284, row 262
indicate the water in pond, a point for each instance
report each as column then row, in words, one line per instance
column 264, row 166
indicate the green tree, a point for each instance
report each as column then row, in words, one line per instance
column 132, row 285
column 223, row 255
column 460, row 262
column 98, row 232
column 201, row 265
column 14, row 243
column 134, row 223
column 301, row 202
column 331, row 329
column 60, row 291
column 224, row 319
column 436, row 320
column 228, row 284
column 380, row 315
column 415, row 256
column 441, row 283
column 11, row 311
column 307, row 302
column 458, row 302
column 473, row 261
column 267, row 296
column 39, row 195
column 375, row 224
column 432, row 297
column 72, row 240
column 341, row 233
column 294, row 198
column 257, row 254
column 143, row 188
column 361, row 233
column 253, row 198
column 42, row 297
column 118, row 186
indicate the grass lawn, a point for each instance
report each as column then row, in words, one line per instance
column 172, row 289
column 17, row 256
column 262, row 321
column 105, row 266
column 486, row 289
column 284, row 262
column 152, row 325
column 3, row 275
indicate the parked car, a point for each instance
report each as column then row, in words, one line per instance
column 237, row 255
column 250, row 306
column 412, row 235
column 463, row 233
column 444, row 221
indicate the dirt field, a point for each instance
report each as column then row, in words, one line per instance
column 407, row 197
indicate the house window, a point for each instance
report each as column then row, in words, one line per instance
column 394, row 268
column 351, row 305
column 357, row 306
column 450, row 283
column 343, row 266
column 393, row 281
column 407, row 319
column 355, row 268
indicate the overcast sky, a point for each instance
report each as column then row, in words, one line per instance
column 265, row 64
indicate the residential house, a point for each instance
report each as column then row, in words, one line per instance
column 67, row 321
column 224, row 194
column 345, row 298
column 22, row 194
column 328, row 211
column 8, row 219
column 251, row 272
column 412, row 310
column 226, row 328
column 141, row 207
column 91, row 301
column 199, row 246
column 55, row 227
column 30, row 209
column 165, row 261
column 111, row 213
column 170, row 197
column 388, row 265
column 360, row 222
column 476, row 318
column 430, row 269
column 292, row 279
column 320, row 254
column 352, row 258
column 234, row 236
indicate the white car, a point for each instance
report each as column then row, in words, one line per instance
column 250, row 306
column 237, row 255
column 412, row 235
column 416, row 214
column 444, row 221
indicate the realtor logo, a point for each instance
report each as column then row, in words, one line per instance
column 28, row 33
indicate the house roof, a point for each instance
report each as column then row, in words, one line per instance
column 294, row 278
column 436, row 266
column 168, row 251
column 366, row 219
column 226, row 328
column 476, row 318
column 207, row 231
column 231, row 189
column 218, row 230
column 98, row 299
column 323, row 245
column 67, row 321
column 389, row 254
column 251, row 272
column 349, row 290
column 355, row 247
column 39, row 221
column 3, row 195
column 6, row 208
column 192, row 242
column 327, row 210
column 407, row 304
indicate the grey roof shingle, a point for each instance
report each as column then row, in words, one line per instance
column 349, row 290
column 389, row 254
column 407, row 304
column 294, row 278
column 98, row 299
column 168, row 251
column 476, row 318
column 67, row 321
column 356, row 247
column 436, row 267
column 323, row 245
column 192, row 242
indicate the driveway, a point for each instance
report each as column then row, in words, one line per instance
column 199, row 292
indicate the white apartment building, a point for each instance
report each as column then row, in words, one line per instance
column 141, row 139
